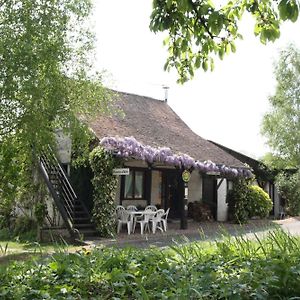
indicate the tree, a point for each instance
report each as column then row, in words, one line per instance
column 198, row 31
column 46, row 79
column 288, row 184
column 281, row 125
column 275, row 162
column 44, row 52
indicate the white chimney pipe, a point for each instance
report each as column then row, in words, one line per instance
column 166, row 88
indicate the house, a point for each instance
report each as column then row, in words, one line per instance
column 157, row 146
column 265, row 177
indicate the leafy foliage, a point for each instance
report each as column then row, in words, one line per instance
column 281, row 125
column 289, row 189
column 237, row 199
column 198, row 31
column 17, row 188
column 105, row 185
column 246, row 201
column 46, row 79
column 82, row 139
column 232, row 268
column 260, row 203
column 275, row 162
column 23, row 225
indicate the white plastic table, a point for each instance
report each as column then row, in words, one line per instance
column 135, row 213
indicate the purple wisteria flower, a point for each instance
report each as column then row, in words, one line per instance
column 130, row 147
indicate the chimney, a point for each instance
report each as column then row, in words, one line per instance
column 166, row 88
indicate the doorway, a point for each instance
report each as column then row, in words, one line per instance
column 172, row 192
column 209, row 194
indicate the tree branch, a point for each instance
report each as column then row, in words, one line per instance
column 202, row 20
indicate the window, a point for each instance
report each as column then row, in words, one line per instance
column 229, row 185
column 133, row 185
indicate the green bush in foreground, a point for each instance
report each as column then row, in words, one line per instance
column 234, row 268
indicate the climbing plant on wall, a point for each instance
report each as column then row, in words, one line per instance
column 105, row 184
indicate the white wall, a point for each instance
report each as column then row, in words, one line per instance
column 195, row 187
column 118, row 191
column 53, row 212
column 64, row 144
column 156, row 188
column 222, row 211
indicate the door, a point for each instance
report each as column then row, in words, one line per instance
column 172, row 193
column 209, row 194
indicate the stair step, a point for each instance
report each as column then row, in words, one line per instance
column 84, row 226
column 80, row 216
column 75, row 209
column 81, row 221
column 78, row 206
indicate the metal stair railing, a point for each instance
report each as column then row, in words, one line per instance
column 61, row 190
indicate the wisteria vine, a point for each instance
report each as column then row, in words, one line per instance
column 130, row 147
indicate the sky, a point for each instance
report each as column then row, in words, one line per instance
column 225, row 106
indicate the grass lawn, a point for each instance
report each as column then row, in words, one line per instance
column 20, row 251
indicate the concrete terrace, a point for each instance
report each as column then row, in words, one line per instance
column 205, row 231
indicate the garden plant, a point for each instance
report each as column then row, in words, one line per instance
column 230, row 268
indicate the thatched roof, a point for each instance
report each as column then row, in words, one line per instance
column 261, row 170
column 153, row 122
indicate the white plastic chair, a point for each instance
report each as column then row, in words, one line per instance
column 131, row 208
column 143, row 220
column 118, row 209
column 164, row 219
column 124, row 218
column 151, row 207
column 157, row 220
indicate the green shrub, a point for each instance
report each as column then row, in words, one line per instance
column 40, row 212
column 246, row 200
column 289, row 189
column 260, row 203
column 5, row 234
column 24, row 224
column 233, row 268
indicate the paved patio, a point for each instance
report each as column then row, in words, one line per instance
column 197, row 231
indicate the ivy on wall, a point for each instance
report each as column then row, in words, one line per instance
column 105, row 185
column 237, row 200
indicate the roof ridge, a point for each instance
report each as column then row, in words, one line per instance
column 141, row 96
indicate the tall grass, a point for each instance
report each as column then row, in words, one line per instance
column 231, row 268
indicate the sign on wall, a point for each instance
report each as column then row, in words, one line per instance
column 121, row 171
column 186, row 176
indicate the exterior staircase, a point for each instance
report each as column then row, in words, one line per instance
column 74, row 213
